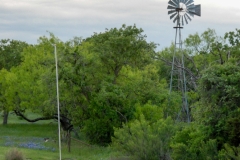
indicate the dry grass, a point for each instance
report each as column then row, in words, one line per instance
column 14, row 154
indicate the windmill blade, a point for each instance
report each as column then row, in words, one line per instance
column 188, row 16
column 189, row 2
column 176, row 2
column 173, row 4
column 185, row 19
column 171, row 7
column 182, row 21
column 176, row 18
column 172, row 11
column 173, row 15
column 191, row 6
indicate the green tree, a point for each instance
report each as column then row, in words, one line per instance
column 109, row 72
column 233, row 45
column 219, row 92
column 29, row 87
column 10, row 56
column 204, row 50
column 10, row 53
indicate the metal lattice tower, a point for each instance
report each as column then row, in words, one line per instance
column 180, row 11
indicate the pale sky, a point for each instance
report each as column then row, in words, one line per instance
column 27, row 20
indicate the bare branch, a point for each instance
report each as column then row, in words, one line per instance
column 65, row 122
column 191, row 60
column 178, row 66
column 18, row 113
column 122, row 115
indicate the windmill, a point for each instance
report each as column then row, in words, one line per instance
column 181, row 12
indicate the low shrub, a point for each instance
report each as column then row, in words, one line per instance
column 142, row 140
column 14, row 154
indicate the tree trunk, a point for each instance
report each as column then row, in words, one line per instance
column 69, row 140
column 5, row 117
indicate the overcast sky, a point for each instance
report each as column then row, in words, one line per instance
column 27, row 20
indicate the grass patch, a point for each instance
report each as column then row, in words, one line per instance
column 29, row 138
column 25, row 130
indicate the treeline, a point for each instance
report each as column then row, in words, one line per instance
column 114, row 88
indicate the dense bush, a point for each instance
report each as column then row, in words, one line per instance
column 230, row 152
column 146, row 138
column 144, row 141
column 191, row 142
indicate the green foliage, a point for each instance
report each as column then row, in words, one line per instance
column 219, row 85
column 219, row 92
column 146, row 138
column 233, row 45
column 233, row 37
column 29, row 90
column 151, row 113
column 217, row 105
column 113, row 84
column 10, row 53
column 230, row 152
column 14, row 154
column 10, row 56
column 205, row 50
column 123, row 46
column 232, row 129
column 104, row 114
column 31, row 84
column 100, row 79
column 201, row 44
column 114, row 72
column 7, row 81
column 208, row 150
column 192, row 143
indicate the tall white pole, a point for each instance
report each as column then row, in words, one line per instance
column 59, row 129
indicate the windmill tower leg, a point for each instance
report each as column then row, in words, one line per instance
column 178, row 72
